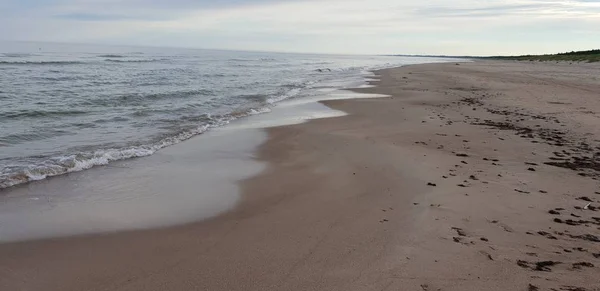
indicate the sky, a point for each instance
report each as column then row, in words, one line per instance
column 459, row 27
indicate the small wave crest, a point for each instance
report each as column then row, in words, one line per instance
column 258, row 111
column 16, row 55
column 33, row 63
column 41, row 113
column 134, row 61
column 179, row 94
column 293, row 90
column 111, row 56
column 318, row 63
column 16, row 138
column 138, row 98
column 253, row 60
column 253, row 97
column 288, row 94
column 59, row 78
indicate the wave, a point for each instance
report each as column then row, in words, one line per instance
column 114, row 119
column 253, row 97
column 218, row 75
column 179, row 94
column 13, row 139
column 134, row 61
column 259, row 111
column 82, row 161
column 41, row 113
column 60, row 79
column 55, row 166
column 318, row 63
column 253, row 60
column 17, row 55
column 111, row 56
column 40, row 62
column 293, row 91
column 137, row 98
column 241, row 60
column 67, row 164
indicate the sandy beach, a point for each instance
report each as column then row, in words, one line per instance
column 471, row 176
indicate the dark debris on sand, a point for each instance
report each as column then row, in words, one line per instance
column 547, row 235
column 588, row 237
column 582, row 264
column 580, row 157
column 459, row 231
column 542, row 266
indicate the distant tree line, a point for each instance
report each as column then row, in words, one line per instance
column 580, row 53
column 589, row 56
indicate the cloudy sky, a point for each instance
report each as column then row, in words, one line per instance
column 459, row 27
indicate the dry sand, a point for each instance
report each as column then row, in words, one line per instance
column 345, row 202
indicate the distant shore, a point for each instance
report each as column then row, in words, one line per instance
column 590, row 56
column 470, row 176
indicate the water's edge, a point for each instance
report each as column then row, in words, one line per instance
column 184, row 183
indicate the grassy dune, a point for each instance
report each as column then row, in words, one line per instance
column 580, row 56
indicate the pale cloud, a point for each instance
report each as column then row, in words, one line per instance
column 331, row 26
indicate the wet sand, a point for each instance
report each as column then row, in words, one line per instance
column 477, row 176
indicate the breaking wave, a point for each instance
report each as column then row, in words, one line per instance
column 59, row 165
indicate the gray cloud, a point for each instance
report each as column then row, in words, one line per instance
column 198, row 4
column 93, row 17
column 502, row 10
column 497, row 10
column 149, row 10
column 310, row 25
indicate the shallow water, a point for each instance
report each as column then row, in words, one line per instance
column 65, row 108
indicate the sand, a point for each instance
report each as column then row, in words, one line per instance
column 443, row 186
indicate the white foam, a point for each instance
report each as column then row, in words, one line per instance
column 83, row 161
column 259, row 111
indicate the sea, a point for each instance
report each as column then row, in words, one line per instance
column 70, row 107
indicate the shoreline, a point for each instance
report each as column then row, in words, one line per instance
column 136, row 194
column 416, row 191
column 35, row 163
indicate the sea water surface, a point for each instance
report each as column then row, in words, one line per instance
column 67, row 107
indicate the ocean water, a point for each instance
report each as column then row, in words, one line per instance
column 66, row 107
